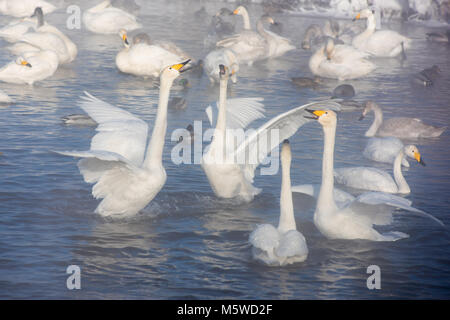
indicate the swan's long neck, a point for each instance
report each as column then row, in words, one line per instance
column 370, row 29
column 261, row 30
column 156, row 145
column 287, row 220
column 402, row 185
column 325, row 201
column 219, row 143
column 246, row 19
column 316, row 59
column 101, row 6
column 377, row 121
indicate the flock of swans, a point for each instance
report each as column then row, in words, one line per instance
column 128, row 172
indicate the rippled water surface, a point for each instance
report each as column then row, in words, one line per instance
column 187, row 243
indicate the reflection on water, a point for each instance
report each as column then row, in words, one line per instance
column 187, row 243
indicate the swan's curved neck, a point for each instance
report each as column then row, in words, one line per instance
column 218, row 145
column 156, row 145
column 370, row 29
column 325, row 201
column 287, row 219
column 246, row 19
column 377, row 121
column 316, row 59
column 402, row 185
column 261, row 30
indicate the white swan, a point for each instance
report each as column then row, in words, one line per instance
column 145, row 60
column 377, row 180
column 24, row 8
column 105, row 19
column 399, row 127
column 384, row 150
column 30, row 67
column 355, row 220
column 229, row 165
column 222, row 56
column 4, row 98
column 283, row 245
column 126, row 176
column 277, row 44
column 248, row 45
column 340, row 62
column 382, row 43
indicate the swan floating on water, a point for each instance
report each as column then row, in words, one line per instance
column 355, row 219
column 106, row 19
column 283, row 245
column 126, row 175
column 229, row 166
column 382, row 43
column 384, row 149
column 374, row 179
column 400, row 127
column 142, row 59
column 30, row 67
column 24, row 8
column 340, row 62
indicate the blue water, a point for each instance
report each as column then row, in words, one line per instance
column 187, row 243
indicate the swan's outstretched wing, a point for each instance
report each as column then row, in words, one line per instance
column 240, row 112
column 119, row 131
column 259, row 143
column 381, row 198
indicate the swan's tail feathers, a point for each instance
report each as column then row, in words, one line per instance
column 393, row 236
column 437, row 132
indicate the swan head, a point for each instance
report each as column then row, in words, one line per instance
column 413, row 152
column 370, row 106
column 268, row 19
column 22, row 62
column 173, row 71
column 124, row 37
column 39, row 14
column 286, row 155
column 327, row 118
column 223, row 72
column 240, row 11
column 364, row 14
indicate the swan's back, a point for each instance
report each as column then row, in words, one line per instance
column 110, row 21
column 365, row 178
column 402, row 127
column 384, row 150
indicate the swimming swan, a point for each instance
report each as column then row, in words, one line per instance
column 106, row 19
column 30, row 67
column 283, row 245
column 384, row 149
column 382, row 43
column 126, row 176
column 229, row 165
column 355, row 220
column 24, row 8
column 340, row 62
column 374, row 179
column 141, row 59
column 400, row 127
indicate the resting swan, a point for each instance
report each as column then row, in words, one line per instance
column 377, row 180
column 30, row 67
column 382, row 43
column 141, row 59
column 283, row 245
column 384, row 150
column 126, row 175
column 412, row 128
column 340, row 62
column 104, row 18
column 229, row 166
column 356, row 218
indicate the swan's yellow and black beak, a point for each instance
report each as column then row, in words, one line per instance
column 358, row 16
column 125, row 39
column 236, row 11
column 179, row 66
column 419, row 159
column 26, row 63
column 315, row 114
